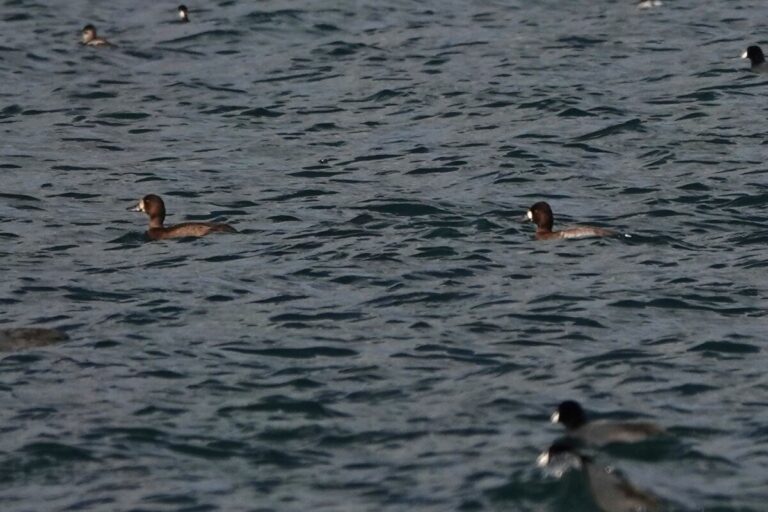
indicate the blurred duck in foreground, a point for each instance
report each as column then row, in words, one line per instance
column 611, row 491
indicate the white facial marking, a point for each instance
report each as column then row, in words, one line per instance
column 529, row 215
column 542, row 460
column 141, row 206
column 555, row 417
column 744, row 55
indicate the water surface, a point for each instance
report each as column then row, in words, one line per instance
column 384, row 334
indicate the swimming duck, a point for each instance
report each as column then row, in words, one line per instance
column 541, row 215
column 91, row 39
column 183, row 13
column 601, row 432
column 154, row 207
column 756, row 57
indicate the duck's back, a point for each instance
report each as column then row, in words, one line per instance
column 98, row 42
column 606, row 432
column 586, row 232
column 613, row 493
column 189, row 229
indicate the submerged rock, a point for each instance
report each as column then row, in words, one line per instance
column 21, row 338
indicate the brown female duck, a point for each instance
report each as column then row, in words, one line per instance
column 154, row 207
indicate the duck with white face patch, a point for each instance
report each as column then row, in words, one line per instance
column 183, row 14
column 541, row 215
column 154, row 207
column 756, row 59
column 571, row 415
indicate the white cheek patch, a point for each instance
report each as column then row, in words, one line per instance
column 141, row 206
column 555, row 417
column 542, row 460
column 744, row 55
column 529, row 215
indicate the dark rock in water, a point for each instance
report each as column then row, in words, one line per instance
column 29, row 337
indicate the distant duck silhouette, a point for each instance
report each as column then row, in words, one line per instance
column 183, row 13
column 154, row 207
column 601, row 432
column 20, row 338
column 89, row 37
column 611, row 491
column 756, row 57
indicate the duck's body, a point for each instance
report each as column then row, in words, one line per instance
column 22, row 338
column 188, row 229
column 756, row 58
column 541, row 215
column 154, row 207
column 611, row 491
column 614, row 493
column 647, row 4
column 89, row 37
column 607, row 432
column 574, row 232
column 572, row 416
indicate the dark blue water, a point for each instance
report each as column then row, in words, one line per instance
column 383, row 334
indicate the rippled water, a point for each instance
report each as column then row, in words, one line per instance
column 384, row 334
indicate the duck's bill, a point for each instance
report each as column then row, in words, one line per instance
column 528, row 217
column 555, row 417
column 542, row 460
column 136, row 208
column 744, row 55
